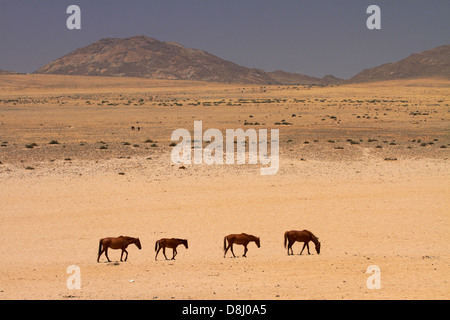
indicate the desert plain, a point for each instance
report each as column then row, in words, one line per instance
column 364, row 167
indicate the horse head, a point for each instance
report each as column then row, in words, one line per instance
column 185, row 242
column 258, row 242
column 318, row 246
column 138, row 243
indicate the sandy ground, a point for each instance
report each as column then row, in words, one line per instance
column 373, row 188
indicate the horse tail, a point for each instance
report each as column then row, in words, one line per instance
column 156, row 245
column 285, row 238
column 224, row 243
column 99, row 247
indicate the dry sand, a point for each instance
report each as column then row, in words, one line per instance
column 364, row 167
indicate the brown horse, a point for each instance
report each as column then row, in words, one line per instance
column 301, row 236
column 116, row 243
column 242, row 239
column 169, row 243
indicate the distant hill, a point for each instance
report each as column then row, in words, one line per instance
column 4, row 72
column 141, row 56
column 286, row 78
column 430, row 63
column 144, row 57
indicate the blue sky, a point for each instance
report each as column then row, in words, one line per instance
column 315, row 37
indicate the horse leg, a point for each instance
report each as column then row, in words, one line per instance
column 231, row 248
column 157, row 253
column 174, row 253
column 106, row 254
column 307, row 245
column 228, row 247
column 126, row 257
column 121, row 255
column 100, row 253
column 304, row 245
column 245, row 251
column 164, row 252
column 290, row 247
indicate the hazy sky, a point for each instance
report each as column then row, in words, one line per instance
column 316, row 37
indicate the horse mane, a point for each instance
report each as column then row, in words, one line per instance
column 250, row 236
column 313, row 237
column 180, row 240
column 129, row 238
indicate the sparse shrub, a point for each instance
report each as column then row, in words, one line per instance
column 173, row 144
column 103, row 147
column 31, row 145
column 53, row 142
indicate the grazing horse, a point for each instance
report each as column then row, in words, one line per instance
column 116, row 243
column 169, row 243
column 242, row 239
column 301, row 236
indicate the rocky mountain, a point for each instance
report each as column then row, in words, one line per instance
column 430, row 63
column 141, row 56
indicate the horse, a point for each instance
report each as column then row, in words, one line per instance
column 242, row 239
column 169, row 243
column 116, row 243
column 301, row 236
